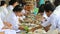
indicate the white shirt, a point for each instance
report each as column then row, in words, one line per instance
column 57, row 10
column 6, row 31
column 12, row 18
column 23, row 11
column 1, row 25
column 44, row 15
column 21, row 17
column 3, row 12
column 54, row 20
column 10, row 8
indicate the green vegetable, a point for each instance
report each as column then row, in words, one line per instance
column 26, row 28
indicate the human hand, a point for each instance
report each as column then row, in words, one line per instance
column 21, row 28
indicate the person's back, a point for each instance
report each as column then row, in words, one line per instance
column 4, row 30
column 57, row 5
column 12, row 4
column 57, row 10
column 3, row 10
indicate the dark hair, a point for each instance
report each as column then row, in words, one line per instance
column 17, row 8
column 48, row 7
column 57, row 2
column 2, row 3
column 41, row 9
column 11, row 2
column 47, row 2
column 22, row 2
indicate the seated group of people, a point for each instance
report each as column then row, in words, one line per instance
column 10, row 14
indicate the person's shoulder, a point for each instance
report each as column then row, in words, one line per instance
column 12, row 14
column 10, row 6
column 1, row 9
column 58, row 7
column 53, row 15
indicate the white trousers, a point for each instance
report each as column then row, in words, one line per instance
column 8, row 31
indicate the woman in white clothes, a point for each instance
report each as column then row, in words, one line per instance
column 3, row 23
column 12, row 4
column 13, row 19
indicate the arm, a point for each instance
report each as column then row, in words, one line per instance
column 9, row 26
column 16, row 23
column 2, row 33
column 38, row 27
column 21, row 28
column 44, row 25
column 47, row 28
